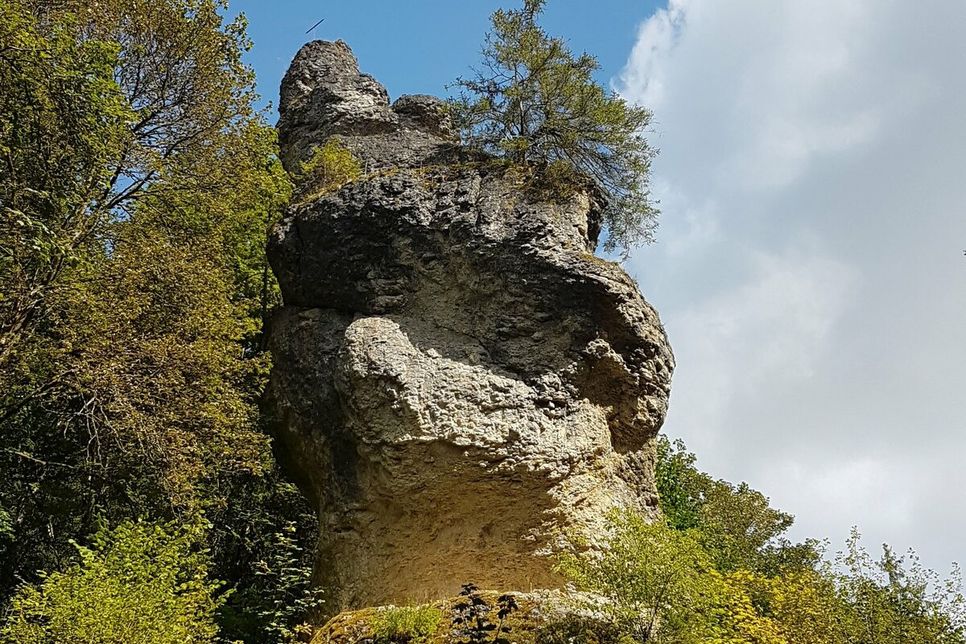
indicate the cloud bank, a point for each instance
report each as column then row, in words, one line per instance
column 809, row 268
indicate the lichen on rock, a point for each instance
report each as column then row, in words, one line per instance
column 458, row 381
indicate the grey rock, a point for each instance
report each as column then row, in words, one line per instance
column 324, row 95
column 458, row 381
column 426, row 113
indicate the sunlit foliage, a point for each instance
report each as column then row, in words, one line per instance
column 137, row 583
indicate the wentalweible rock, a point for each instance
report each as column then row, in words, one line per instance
column 457, row 379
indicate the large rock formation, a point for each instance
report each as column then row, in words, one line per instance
column 458, row 381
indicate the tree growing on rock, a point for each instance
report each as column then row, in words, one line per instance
column 535, row 103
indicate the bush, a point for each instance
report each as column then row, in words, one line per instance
column 657, row 582
column 263, row 541
column 138, row 583
column 574, row 629
column 329, row 168
column 897, row 599
column 406, row 624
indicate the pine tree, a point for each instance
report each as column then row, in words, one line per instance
column 535, row 103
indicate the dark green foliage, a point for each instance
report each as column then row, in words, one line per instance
column 263, row 541
column 535, row 103
column 137, row 193
column 678, row 482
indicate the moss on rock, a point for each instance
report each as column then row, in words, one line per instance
column 550, row 617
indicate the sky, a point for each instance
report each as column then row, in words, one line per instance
column 809, row 267
column 420, row 46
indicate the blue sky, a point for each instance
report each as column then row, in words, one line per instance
column 809, row 266
column 418, row 46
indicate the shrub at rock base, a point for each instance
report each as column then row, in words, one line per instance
column 138, row 583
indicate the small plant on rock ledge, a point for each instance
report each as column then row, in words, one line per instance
column 329, row 168
column 472, row 619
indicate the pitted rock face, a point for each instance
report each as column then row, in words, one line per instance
column 324, row 95
column 426, row 113
column 457, row 380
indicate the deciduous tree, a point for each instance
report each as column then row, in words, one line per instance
column 134, row 280
column 140, row 582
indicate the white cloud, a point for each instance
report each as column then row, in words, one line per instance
column 816, row 488
column 809, row 269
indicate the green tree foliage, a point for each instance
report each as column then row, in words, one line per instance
column 660, row 585
column 137, row 194
column 266, row 548
column 735, row 523
column 534, row 102
column 330, row 167
column 654, row 577
column 62, row 121
column 720, row 569
column 122, row 96
column 895, row 599
column 139, row 583
column 62, row 117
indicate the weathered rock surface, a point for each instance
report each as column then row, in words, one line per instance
column 457, row 378
column 324, row 96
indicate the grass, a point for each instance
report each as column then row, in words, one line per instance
column 415, row 624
